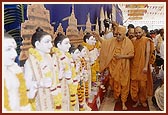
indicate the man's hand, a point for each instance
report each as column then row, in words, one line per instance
column 145, row 70
column 96, row 35
column 119, row 56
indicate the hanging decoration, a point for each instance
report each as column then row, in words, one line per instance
column 136, row 5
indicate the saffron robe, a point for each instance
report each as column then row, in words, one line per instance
column 121, row 73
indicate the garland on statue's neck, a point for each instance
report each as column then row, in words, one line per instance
column 95, row 66
column 73, row 85
column 81, row 95
column 89, row 47
column 60, row 54
column 84, row 65
column 24, row 101
column 44, row 68
column 47, row 73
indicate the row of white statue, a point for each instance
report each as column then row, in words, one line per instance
column 54, row 78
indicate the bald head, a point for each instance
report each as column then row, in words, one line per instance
column 138, row 32
column 121, row 29
column 120, row 32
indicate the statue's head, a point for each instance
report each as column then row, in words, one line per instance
column 74, row 52
column 88, row 38
column 62, row 42
column 9, row 50
column 83, row 50
column 42, row 40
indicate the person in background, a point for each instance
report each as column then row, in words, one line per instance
column 108, row 29
column 129, row 26
column 158, row 98
column 162, row 48
column 159, row 40
column 131, row 33
column 141, row 78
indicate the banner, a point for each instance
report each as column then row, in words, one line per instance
column 136, row 5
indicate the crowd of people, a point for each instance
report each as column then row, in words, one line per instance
column 146, row 63
column 59, row 76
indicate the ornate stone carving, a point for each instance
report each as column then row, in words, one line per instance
column 38, row 16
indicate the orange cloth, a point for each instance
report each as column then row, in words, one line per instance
column 121, row 29
column 138, row 62
column 123, row 90
column 137, row 65
column 138, row 86
column 122, row 69
column 119, row 68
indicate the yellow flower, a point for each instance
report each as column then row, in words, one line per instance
column 22, row 91
column 48, row 74
column 56, row 50
column 66, row 67
column 73, row 103
column 81, row 109
column 36, row 54
column 73, row 72
column 58, row 100
column 68, row 55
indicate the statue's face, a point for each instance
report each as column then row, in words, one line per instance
column 44, row 45
column 64, row 45
column 76, row 54
column 83, row 52
column 9, row 52
column 91, row 40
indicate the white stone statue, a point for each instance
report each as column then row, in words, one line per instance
column 85, row 79
column 15, row 94
column 93, row 47
column 39, row 71
column 67, row 75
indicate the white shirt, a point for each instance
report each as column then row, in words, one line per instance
column 162, row 50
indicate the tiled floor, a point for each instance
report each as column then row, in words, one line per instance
column 109, row 103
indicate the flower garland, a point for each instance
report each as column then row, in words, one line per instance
column 47, row 72
column 24, row 101
column 84, row 65
column 22, row 90
column 6, row 100
column 81, row 95
column 90, row 47
column 95, row 66
column 59, row 53
column 73, row 85
column 58, row 101
column 87, row 90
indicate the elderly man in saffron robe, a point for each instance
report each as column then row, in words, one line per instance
column 115, row 54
